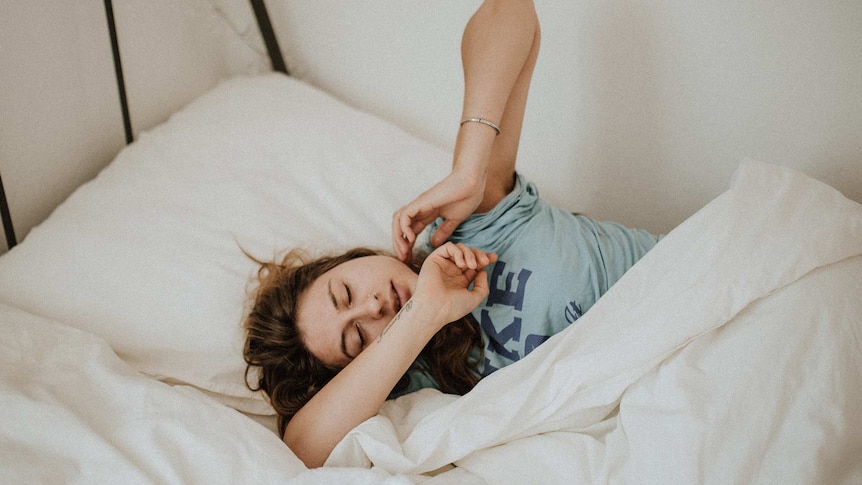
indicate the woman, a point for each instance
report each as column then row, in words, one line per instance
column 334, row 338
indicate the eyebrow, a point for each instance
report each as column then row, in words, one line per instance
column 335, row 304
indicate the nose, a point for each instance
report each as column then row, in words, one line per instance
column 371, row 316
column 372, row 308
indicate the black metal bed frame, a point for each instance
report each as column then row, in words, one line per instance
column 272, row 48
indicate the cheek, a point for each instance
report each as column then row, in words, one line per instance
column 411, row 279
column 375, row 328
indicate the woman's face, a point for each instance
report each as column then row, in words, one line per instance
column 347, row 307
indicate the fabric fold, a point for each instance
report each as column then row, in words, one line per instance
column 772, row 227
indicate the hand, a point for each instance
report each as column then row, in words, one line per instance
column 443, row 286
column 454, row 198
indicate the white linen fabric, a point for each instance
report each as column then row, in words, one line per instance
column 730, row 353
column 73, row 412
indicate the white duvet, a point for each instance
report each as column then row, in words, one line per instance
column 730, row 354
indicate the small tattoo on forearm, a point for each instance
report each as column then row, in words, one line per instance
column 403, row 310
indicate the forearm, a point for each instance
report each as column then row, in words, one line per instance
column 359, row 390
column 498, row 51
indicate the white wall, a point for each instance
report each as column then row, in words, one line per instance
column 61, row 120
column 173, row 51
column 639, row 111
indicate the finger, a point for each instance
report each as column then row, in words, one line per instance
column 418, row 225
column 397, row 237
column 405, row 249
column 453, row 253
column 401, row 242
column 458, row 257
column 482, row 260
column 444, row 231
column 492, row 258
column 415, row 221
column 470, row 274
column 469, row 255
column 480, row 285
column 405, row 220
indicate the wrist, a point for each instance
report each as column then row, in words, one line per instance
column 471, row 172
column 426, row 314
column 473, row 148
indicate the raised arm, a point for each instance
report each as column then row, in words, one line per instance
column 442, row 295
column 498, row 51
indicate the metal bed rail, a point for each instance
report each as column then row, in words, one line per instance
column 272, row 48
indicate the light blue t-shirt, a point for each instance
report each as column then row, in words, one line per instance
column 552, row 267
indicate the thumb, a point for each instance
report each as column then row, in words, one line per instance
column 444, row 231
column 480, row 285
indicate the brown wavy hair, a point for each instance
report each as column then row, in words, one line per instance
column 290, row 375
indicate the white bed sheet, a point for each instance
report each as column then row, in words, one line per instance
column 73, row 412
column 730, row 353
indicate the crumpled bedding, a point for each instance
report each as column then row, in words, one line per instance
column 732, row 353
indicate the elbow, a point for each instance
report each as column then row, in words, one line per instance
column 524, row 9
column 311, row 456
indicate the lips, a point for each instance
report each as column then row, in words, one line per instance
column 397, row 301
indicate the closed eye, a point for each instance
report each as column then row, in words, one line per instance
column 349, row 295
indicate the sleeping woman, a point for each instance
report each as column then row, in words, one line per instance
column 333, row 338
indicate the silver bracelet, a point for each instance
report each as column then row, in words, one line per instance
column 483, row 121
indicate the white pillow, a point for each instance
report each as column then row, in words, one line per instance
column 147, row 255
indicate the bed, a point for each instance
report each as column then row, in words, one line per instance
column 732, row 353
